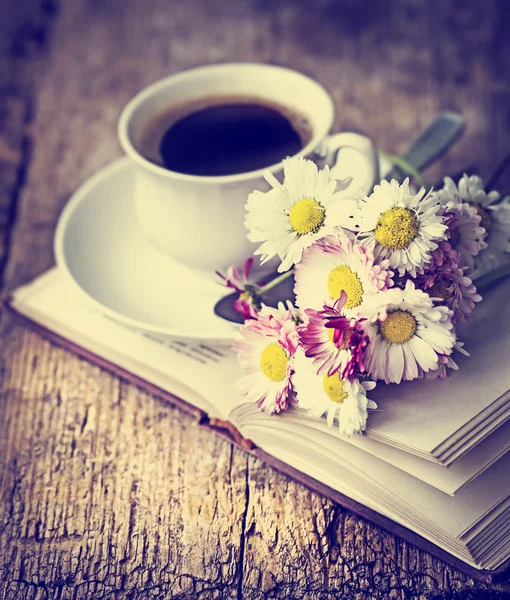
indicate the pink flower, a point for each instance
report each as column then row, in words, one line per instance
column 466, row 235
column 248, row 303
column 265, row 349
column 381, row 275
column 333, row 341
column 335, row 264
column 246, row 306
column 233, row 279
column 451, row 287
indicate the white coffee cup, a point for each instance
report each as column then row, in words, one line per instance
column 199, row 220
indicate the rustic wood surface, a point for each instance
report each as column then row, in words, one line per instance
column 105, row 491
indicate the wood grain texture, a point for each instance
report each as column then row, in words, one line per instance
column 105, row 492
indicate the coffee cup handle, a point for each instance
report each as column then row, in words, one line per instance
column 365, row 173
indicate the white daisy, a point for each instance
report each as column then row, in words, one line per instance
column 293, row 215
column 339, row 264
column 322, row 394
column 407, row 334
column 265, row 348
column 405, row 226
column 494, row 218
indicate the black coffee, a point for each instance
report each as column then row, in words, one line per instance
column 224, row 137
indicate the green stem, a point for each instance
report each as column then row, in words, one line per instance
column 402, row 164
column 276, row 281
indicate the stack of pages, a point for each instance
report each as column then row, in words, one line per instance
column 434, row 459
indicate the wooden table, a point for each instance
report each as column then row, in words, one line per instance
column 106, row 492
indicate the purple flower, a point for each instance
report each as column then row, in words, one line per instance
column 449, row 285
column 233, row 279
column 334, row 341
column 465, row 232
column 248, row 303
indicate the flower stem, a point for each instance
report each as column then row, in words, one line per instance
column 276, row 281
column 402, row 164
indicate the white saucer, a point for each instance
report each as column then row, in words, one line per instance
column 99, row 246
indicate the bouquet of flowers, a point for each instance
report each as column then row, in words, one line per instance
column 382, row 283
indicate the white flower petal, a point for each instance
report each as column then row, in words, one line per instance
column 434, row 335
column 388, row 196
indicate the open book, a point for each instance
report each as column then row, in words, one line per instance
column 434, row 458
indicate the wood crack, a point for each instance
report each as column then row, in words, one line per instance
column 242, row 541
column 26, row 42
column 12, row 207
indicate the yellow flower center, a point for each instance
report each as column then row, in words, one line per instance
column 485, row 218
column 342, row 279
column 399, row 327
column 334, row 388
column 396, row 228
column 273, row 362
column 306, row 216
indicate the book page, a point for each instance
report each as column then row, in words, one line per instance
column 447, row 479
column 202, row 375
column 443, row 519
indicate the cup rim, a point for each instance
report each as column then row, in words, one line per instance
column 149, row 91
